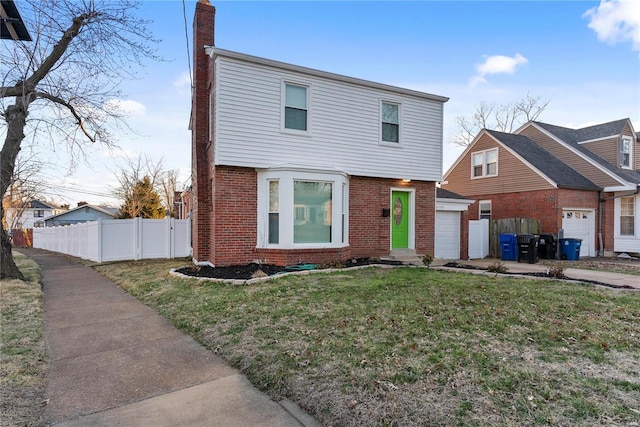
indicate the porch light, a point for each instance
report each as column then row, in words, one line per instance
column 405, row 180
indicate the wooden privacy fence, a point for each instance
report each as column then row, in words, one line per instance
column 22, row 237
column 118, row 239
column 509, row 225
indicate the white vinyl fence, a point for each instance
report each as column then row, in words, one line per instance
column 118, row 239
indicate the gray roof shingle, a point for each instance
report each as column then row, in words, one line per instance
column 575, row 136
column 560, row 173
column 441, row 193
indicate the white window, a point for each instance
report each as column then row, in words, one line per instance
column 484, row 207
column 484, row 163
column 302, row 209
column 627, row 216
column 296, row 107
column 390, row 122
column 274, row 211
column 624, row 159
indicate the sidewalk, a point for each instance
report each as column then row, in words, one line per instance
column 114, row 361
column 513, row 267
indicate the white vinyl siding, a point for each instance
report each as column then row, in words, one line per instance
column 345, row 125
column 627, row 224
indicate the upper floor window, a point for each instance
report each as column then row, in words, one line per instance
column 296, row 107
column 390, row 122
column 38, row 213
column 484, row 163
column 627, row 216
column 624, row 158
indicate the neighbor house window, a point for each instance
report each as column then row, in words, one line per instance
column 627, row 216
column 390, row 122
column 484, row 163
column 274, row 212
column 302, row 209
column 38, row 213
column 485, row 209
column 625, row 152
column 296, row 107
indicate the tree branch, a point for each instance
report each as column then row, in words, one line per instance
column 70, row 108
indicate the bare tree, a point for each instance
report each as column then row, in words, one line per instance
column 169, row 184
column 60, row 87
column 503, row 118
column 26, row 185
column 130, row 176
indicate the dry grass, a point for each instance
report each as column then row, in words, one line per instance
column 383, row 347
column 22, row 348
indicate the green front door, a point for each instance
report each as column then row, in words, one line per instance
column 399, row 220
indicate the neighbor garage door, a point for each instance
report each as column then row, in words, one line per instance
column 579, row 224
column 447, row 244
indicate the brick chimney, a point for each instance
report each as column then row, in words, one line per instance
column 201, row 145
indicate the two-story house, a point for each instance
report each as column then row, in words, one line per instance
column 31, row 215
column 292, row 164
column 584, row 181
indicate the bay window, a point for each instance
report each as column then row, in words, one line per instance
column 302, row 209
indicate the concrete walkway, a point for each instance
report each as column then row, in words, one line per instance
column 615, row 280
column 114, row 362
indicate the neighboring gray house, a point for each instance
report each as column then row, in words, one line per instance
column 31, row 216
column 83, row 213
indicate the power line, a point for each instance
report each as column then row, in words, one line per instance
column 186, row 36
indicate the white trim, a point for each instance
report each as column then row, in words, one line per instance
column 309, row 88
column 459, row 205
column 480, row 202
column 576, row 152
column 631, row 165
column 412, row 216
column 598, row 139
column 626, row 243
column 286, row 177
column 592, row 228
column 214, row 52
column 484, row 163
column 400, row 124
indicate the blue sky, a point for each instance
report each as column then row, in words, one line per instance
column 584, row 56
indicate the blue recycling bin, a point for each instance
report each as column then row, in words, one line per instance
column 570, row 249
column 508, row 247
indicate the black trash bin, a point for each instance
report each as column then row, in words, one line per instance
column 547, row 246
column 527, row 248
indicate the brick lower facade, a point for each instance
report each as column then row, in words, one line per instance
column 233, row 225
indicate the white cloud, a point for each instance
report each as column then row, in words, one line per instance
column 616, row 21
column 184, row 80
column 127, row 106
column 497, row 64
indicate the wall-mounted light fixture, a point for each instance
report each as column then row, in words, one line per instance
column 406, row 180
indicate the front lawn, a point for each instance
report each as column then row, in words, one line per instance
column 22, row 354
column 415, row 346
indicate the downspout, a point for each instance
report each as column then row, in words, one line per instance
column 602, row 200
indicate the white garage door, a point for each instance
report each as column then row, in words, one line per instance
column 447, row 244
column 580, row 225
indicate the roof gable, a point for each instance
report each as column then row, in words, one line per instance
column 573, row 137
column 104, row 210
column 589, row 133
column 37, row 204
column 543, row 161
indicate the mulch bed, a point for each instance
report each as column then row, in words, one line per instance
column 248, row 271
